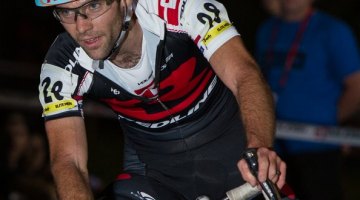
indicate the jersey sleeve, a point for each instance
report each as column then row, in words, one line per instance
column 55, row 92
column 62, row 81
column 207, row 23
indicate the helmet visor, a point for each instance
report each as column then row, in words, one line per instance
column 43, row 3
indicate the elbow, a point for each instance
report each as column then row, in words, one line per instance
column 61, row 164
column 250, row 80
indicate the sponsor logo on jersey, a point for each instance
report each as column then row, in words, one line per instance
column 168, row 4
column 173, row 91
column 115, row 91
column 146, row 80
column 182, row 8
column 169, row 10
column 69, row 67
column 149, row 91
column 167, row 59
column 59, row 106
column 142, row 196
column 179, row 117
column 215, row 31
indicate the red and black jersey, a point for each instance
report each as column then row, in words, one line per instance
column 177, row 83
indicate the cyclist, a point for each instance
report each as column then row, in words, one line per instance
column 189, row 97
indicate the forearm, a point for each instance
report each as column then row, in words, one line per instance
column 348, row 108
column 68, row 157
column 71, row 182
column 257, row 109
column 240, row 73
column 349, row 102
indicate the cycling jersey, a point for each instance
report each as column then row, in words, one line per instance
column 189, row 32
column 171, row 101
column 177, row 82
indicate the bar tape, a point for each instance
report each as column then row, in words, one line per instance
column 318, row 133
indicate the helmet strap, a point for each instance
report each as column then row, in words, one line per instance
column 124, row 29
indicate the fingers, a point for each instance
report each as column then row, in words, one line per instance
column 267, row 164
column 246, row 173
column 282, row 178
column 270, row 165
column 275, row 175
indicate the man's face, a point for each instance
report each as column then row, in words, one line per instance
column 96, row 36
column 294, row 6
column 272, row 6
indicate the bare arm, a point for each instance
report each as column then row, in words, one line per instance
column 349, row 103
column 68, row 157
column 240, row 73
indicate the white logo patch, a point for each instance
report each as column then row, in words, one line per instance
column 143, row 196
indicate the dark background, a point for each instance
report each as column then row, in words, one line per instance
column 27, row 31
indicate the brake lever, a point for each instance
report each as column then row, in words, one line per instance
column 269, row 188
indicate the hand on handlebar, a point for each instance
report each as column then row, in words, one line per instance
column 270, row 167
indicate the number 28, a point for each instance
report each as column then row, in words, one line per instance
column 55, row 90
column 203, row 18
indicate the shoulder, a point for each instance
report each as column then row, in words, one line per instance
column 173, row 12
column 170, row 11
column 61, row 76
column 206, row 22
column 62, row 50
column 330, row 23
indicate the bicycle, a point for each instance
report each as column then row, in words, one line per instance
column 243, row 192
column 246, row 191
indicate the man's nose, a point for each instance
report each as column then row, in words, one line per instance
column 83, row 23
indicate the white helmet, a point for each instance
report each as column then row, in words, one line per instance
column 44, row 3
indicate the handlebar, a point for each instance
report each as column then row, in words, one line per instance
column 269, row 188
column 243, row 192
column 246, row 191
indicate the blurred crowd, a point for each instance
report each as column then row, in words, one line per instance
column 24, row 161
column 310, row 59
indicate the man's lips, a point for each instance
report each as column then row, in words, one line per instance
column 92, row 42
